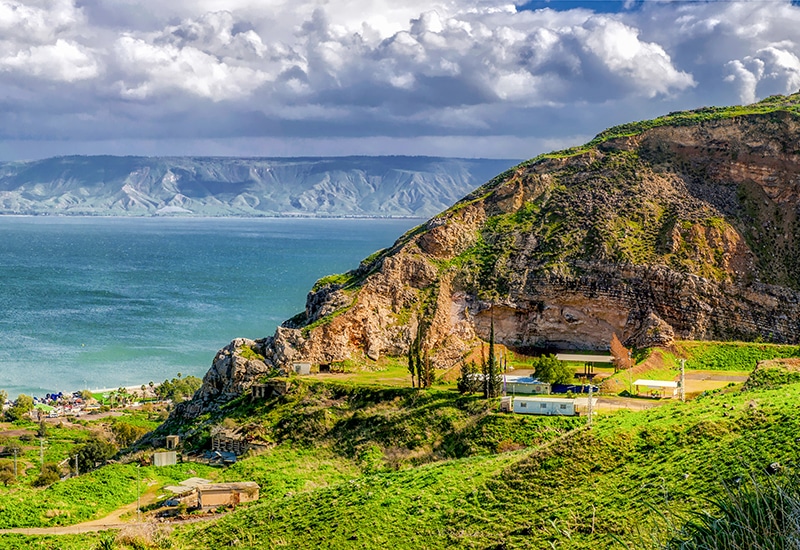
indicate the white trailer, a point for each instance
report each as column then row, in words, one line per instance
column 545, row 406
column 552, row 406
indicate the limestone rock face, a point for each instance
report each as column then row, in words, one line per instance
column 687, row 231
column 230, row 375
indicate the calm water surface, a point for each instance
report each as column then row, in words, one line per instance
column 105, row 302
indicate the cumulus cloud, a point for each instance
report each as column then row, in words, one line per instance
column 151, row 69
column 62, row 61
column 774, row 69
column 378, row 71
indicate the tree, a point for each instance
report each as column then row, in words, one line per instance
column 470, row 380
column 7, row 472
column 22, row 406
column 42, row 430
column 419, row 363
column 551, row 370
column 412, row 361
column 126, row 434
column 178, row 390
column 621, row 354
column 492, row 379
column 93, row 452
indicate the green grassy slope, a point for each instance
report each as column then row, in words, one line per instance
column 580, row 490
column 356, row 466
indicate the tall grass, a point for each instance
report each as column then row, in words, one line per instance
column 756, row 516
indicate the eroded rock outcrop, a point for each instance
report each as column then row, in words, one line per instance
column 685, row 229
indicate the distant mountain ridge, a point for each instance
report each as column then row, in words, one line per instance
column 397, row 186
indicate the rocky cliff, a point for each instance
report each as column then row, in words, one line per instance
column 682, row 227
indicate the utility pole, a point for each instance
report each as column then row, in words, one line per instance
column 630, row 379
column 15, row 463
column 76, row 465
column 41, row 453
column 683, row 380
column 590, row 408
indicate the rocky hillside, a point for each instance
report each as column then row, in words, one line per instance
column 681, row 227
column 206, row 186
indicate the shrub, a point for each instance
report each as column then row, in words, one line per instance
column 49, row 475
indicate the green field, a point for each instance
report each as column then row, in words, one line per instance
column 346, row 464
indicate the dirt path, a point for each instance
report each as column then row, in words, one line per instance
column 111, row 521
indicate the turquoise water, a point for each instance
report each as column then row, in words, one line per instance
column 106, row 302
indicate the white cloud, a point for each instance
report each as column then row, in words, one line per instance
column 645, row 65
column 38, row 22
column 746, row 73
column 167, row 68
column 63, row 61
column 365, row 69
column 773, row 70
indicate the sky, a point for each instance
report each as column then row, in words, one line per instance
column 478, row 78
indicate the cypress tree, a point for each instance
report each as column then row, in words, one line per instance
column 492, row 381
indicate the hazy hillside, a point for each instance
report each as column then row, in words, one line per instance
column 211, row 186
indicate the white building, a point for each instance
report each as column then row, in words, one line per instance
column 524, row 384
column 552, row 406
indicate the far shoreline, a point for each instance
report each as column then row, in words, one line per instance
column 205, row 217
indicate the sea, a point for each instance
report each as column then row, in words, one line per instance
column 96, row 302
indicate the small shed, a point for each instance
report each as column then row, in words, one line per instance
column 274, row 387
column 656, row 388
column 214, row 495
column 165, row 458
column 301, row 368
column 173, row 441
column 589, row 361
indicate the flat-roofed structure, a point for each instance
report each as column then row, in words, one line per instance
column 213, row 495
column 552, row 406
column 165, row 458
column 657, row 388
column 524, row 384
column 584, row 358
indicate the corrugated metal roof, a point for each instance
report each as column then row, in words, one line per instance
column 233, row 486
column 656, row 383
column 583, row 358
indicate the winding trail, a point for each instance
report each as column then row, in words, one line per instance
column 111, row 521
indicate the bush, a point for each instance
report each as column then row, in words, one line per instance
column 50, row 474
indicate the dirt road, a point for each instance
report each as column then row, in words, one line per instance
column 111, row 521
